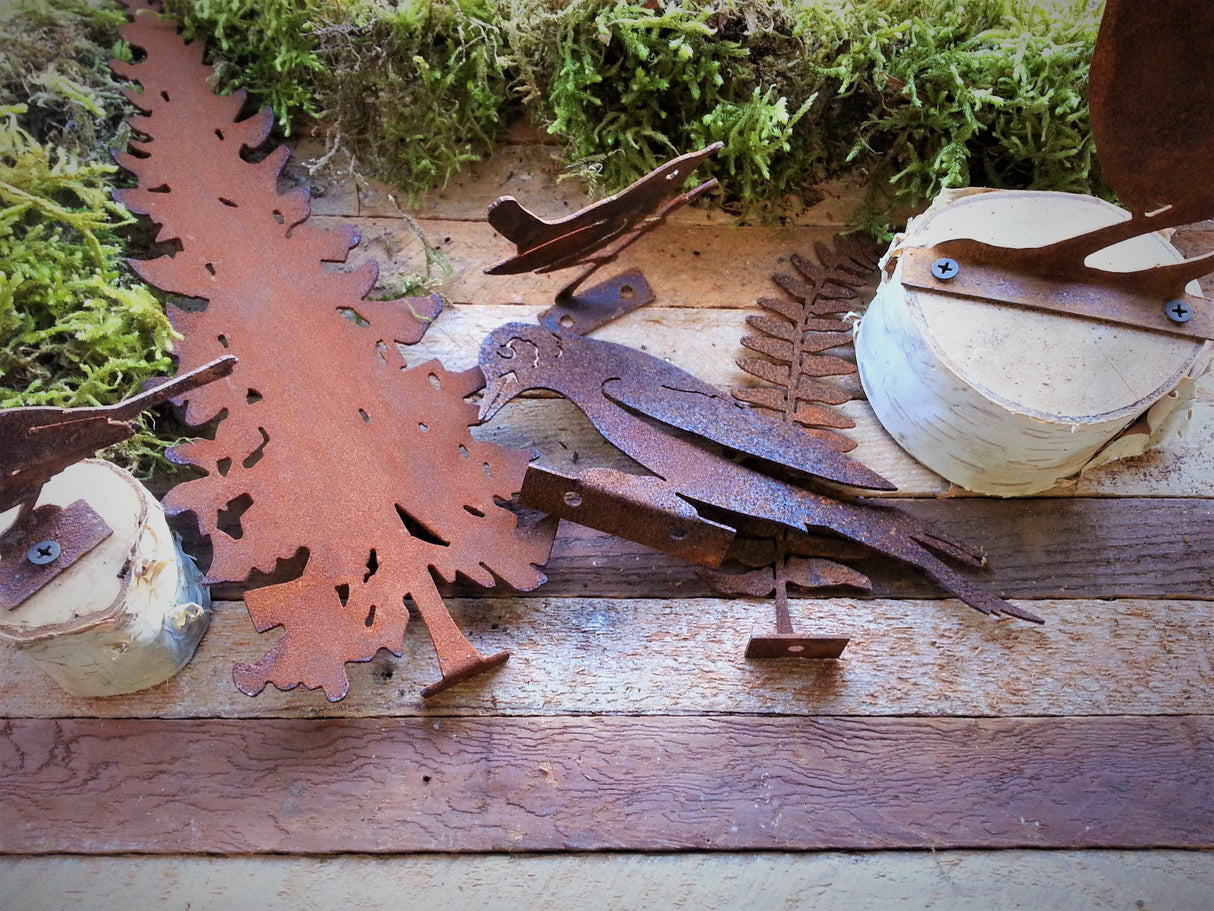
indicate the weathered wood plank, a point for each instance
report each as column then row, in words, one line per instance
column 693, row 266
column 685, row 657
column 1022, row 880
column 1037, row 548
column 609, row 783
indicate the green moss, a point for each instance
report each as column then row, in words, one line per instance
column 267, row 46
column 629, row 87
column 917, row 95
column 939, row 94
column 76, row 326
column 417, row 90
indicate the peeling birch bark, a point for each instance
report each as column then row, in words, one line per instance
column 1007, row 400
column 129, row 613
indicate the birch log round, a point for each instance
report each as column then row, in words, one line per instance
column 1001, row 399
column 128, row 614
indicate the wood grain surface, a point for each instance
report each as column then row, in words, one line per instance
column 604, row 783
column 685, row 656
column 628, row 755
column 1017, row 880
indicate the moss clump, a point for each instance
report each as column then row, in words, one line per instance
column 415, row 90
column 628, row 87
column 76, row 326
column 917, row 94
column 938, row 95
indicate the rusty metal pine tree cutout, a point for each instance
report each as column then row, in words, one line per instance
column 797, row 329
column 325, row 442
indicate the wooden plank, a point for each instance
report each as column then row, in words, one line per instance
column 1022, row 880
column 1037, row 548
column 693, row 266
column 604, row 783
column 681, row 656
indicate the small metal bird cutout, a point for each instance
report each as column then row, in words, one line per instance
column 593, row 237
column 682, row 430
column 1152, row 109
column 38, row 443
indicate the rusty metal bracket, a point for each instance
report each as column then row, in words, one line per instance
column 966, row 268
column 1152, row 111
column 596, row 306
column 42, row 545
column 638, row 508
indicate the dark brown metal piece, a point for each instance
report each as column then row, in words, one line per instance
column 985, row 273
column 599, row 305
column 38, row 443
column 1151, row 96
column 43, row 544
column 324, row 442
column 669, row 421
column 599, row 233
column 639, row 508
column 1152, row 108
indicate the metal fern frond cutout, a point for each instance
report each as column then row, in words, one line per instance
column 796, row 330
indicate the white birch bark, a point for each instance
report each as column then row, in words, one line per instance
column 1006, row 400
column 128, row 614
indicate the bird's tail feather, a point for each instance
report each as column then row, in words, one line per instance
column 958, row 550
column 912, row 540
column 958, row 585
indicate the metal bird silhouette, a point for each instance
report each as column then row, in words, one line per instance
column 37, row 443
column 668, row 421
column 597, row 234
column 1152, row 107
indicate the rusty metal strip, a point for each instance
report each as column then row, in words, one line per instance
column 1106, row 299
column 793, row 645
column 599, row 305
column 46, row 542
column 641, row 509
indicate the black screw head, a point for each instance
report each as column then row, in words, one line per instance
column 945, row 269
column 1178, row 311
column 44, row 552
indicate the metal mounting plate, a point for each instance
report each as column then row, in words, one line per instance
column 75, row 528
column 1107, row 302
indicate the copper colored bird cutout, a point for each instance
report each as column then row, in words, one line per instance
column 593, row 237
column 1152, row 110
column 690, row 435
